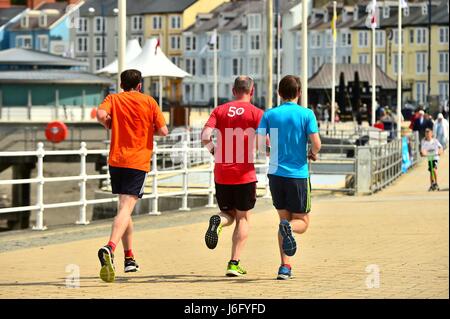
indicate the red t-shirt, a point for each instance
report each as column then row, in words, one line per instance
column 236, row 124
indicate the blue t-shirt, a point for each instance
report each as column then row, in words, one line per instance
column 288, row 126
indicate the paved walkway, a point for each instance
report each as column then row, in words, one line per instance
column 394, row 244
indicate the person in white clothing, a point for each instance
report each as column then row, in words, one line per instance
column 440, row 130
column 431, row 148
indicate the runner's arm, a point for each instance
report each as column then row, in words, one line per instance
column 104, row 118
column 316, row 145
column 207, row 139
column 162, row 131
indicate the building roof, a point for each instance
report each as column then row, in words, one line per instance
column 19, row 56
column 57, row 9
column 232, row 12
column 165, row 6
column 53, row 76
column 322, row 78
column 6, row 14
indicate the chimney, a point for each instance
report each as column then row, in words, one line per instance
column 5, row 4
column 33, row 4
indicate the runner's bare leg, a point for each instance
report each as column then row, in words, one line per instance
column 299, row 224
column 122, row 220
column 240, row 233
column 127, row 238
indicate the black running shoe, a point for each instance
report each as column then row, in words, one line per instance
column 213, row 232
column 130, row 265
column 106, row 257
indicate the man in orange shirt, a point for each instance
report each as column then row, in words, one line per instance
column 133, row 118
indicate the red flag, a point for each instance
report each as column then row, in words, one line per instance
column 158, row 45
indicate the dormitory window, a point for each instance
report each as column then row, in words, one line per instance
column 157, row 22
column 82, row 25
column 443, row 35
column 254, row 22
column 175, row 22
column 421, row 35
column 99, row 24
column 136, row 23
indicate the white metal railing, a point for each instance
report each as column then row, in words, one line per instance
column 40, row 206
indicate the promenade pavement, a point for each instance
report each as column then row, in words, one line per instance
column 393, row 244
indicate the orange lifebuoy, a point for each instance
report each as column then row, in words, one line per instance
column 56, row 132
column 94, row 113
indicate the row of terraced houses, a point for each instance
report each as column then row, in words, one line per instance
column 87, row 30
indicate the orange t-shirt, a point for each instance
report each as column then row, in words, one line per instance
column 135, row 117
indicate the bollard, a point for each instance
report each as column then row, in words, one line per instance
column 184, row 201
column 40, row 188
column 363, row 170
column 154, row 174
column 82, row 219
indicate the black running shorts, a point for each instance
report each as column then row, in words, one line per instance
column 241, row 196
column 432, row 164
column 291, row 194
column 127, row 181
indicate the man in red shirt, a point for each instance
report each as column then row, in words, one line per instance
column 235, row 124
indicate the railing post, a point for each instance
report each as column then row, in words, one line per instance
column 363, row 170
column 211, row 183
column 154, row 174
column 82, row 220
column 184, row 200
column 40, row 188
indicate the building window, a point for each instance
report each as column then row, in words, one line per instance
column 411, row 36
column 175, row 60
column 363, row 39
column 346, row 39
column 43, row 20
column 420, row 91
column 202, row 92
column 396, row 37
column 443, row 91
column 190, row 65
column 187, row 92
column 316, row 40
column 43, row 42
column 24, row 41
column 82, row 44
column 421, row 62
column 175, row 42
column 346, row 59
column 443, row 62
column 237, row 42
column 99, row 23
column 316, row 63
column 255, row 42
column 421, row 35
column 254, row 22
column 99, row 63
column 254, row 66
column 136, row 23
column 329, row 38
column 99, row 44
column 380, row 37
column 191, row 43
column 363, row 59
column 203, row 66
column 237, row 66
column 175, row 22
column 386, row 12
column 395, row 63
column 82, row 26
column 443, row 35
column 406, row 11
column 157, row 22
column 381, row 61
column 24, row 22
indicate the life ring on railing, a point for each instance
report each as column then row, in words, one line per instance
column 94, row 113
column 56, row 131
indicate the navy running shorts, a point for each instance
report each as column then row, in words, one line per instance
column 127, row 181
column 291, row 194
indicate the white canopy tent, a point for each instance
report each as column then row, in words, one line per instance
column 132, row 51
column 152, row 62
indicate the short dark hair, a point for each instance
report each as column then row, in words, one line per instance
column 289, row 88
column 243, row 84
column 130, row 79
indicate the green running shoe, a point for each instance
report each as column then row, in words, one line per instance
column 234, row 270
column 213, row 232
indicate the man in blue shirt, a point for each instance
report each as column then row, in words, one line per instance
column 289, row 126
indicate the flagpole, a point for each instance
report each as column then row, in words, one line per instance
column 373, row 77
column 278, row 47
column 122, row 6
column 399, row 71
column 333, row 72
column 216, row 100
column 160, row 91
column 269, row 83
column 305, row 53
